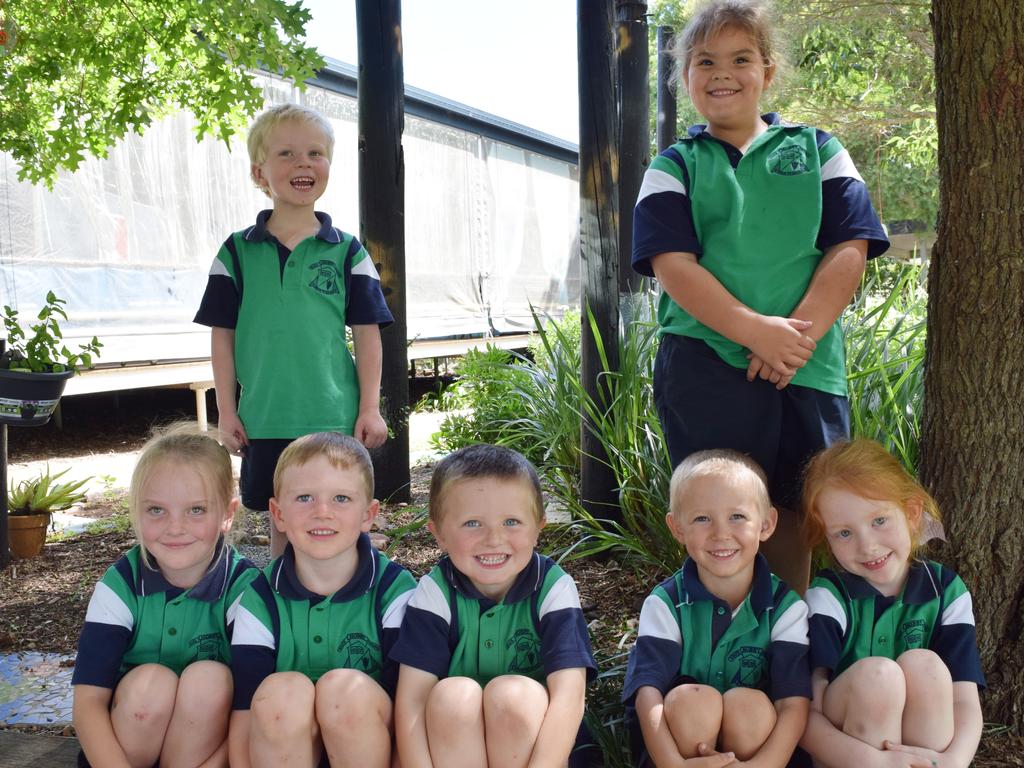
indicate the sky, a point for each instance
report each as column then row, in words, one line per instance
column 512, row 58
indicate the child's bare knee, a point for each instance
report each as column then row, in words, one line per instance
column 454, row 702
column 146, row 693
column 347, row 699
column 514, row 697
column 205, row 687
column 282, row 707
column 748, row 718
column 874, row 678
column 693, row 698
column 922, row 667
column 740, row 704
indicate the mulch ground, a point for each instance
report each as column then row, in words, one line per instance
column 43, row 599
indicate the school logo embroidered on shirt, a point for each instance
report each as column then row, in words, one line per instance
column 359, row 652
column 788, row 160
column 325, row 279
column 206, row 646
column 526, row 649
column 912, row 631
column 749, row 661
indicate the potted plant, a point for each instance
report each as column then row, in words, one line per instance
column 36, row 364
column 30, row 505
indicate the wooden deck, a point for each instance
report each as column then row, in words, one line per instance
column 19, row 750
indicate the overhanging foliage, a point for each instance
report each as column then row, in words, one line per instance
column 80, row 74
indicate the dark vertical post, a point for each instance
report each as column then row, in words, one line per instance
column 666, row 97
column 599, row 210
column 5, row 552
column 382, row 218
column 634, row 105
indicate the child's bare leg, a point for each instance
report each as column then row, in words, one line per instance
column 142, row 707
column 866, row 701
column 748, row 717
column 199, row 724
column 514, row 709
column 455, row 723
column 928, row 714
column 284, row 730
column 694, row 716
column 354, row 715
column 788, row 556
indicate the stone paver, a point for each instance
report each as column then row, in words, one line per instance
column 35, row 688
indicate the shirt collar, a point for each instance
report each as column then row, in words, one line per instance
column 285, row 579
column 208, row 589
column 701, row 129
column 526, row 583
column 760, row 588
column 920, row 588
column 258, row 232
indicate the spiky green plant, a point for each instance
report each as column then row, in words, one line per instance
column 44, row 494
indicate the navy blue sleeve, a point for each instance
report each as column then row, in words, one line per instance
column 847, row 214
column 101, row 648
column 790, row 670
column 219, row 307
column 565, row 642
column 957, row 645
column 365, row 304
column 654, row 661
column 423, row 642
column 252, row 659
column 663, row 216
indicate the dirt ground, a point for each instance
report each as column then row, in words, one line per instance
column 43, row 600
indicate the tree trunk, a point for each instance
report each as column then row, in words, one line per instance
column 972, row 445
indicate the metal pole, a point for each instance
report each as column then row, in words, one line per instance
column 666, row 97
column 382, row 219
column 599, row 243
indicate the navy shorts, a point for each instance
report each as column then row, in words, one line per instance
column 256, row 477
column 703, row 402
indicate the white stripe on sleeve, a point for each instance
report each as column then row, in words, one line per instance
column 218, row 269
column 822, row 602
column 429, row 597
column 839, row 167
column 232, row 611
column 656, row 181
column 791, row 626
column 657, row 620
column 562, row 594
column 366, row 269
column 106, row 607
column 251, row 631
column 396, row 611
column 960, row 611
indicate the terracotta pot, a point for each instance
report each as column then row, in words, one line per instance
column 26, row 534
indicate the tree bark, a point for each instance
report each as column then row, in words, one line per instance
column 972, row 445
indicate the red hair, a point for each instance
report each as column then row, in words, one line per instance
column 865, row 468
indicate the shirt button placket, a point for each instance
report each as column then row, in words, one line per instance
column 490, row 648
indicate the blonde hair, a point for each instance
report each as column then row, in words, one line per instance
column 185, row 443
column 342, row 451
column 727, row 464
column 750, row 16
column 865, row 468
column 483, row 461
column 274, row 116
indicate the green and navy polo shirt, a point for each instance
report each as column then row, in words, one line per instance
column 289, row 310
column 451, row 630
column 850, row 620
column 760, row 222
column 688, row 634
column 136, row 617
column 282, row 626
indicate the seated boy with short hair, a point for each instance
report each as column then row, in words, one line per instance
column 311, row 639
column 719, row 673
column 494, row 649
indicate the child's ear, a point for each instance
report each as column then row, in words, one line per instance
column 673, row 527
column 914, row 511
column 768, row 523
column 276, row 516
column 433, row 528
column 371, row 514
column 229, row 515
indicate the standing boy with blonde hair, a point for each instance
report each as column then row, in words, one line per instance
column 279, row 296
column 719, row 672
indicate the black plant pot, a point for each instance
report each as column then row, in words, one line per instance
column 29, row 399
